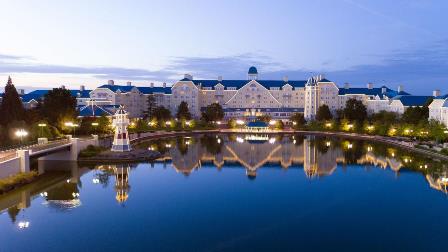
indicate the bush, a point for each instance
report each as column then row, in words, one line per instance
column 91, row 151
column 17, row 180
column 444, row 151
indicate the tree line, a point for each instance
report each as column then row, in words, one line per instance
column 354, row 118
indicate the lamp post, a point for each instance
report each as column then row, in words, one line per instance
column 41, row 126
column 21, row 133
column 94, row 125
column 72, row 125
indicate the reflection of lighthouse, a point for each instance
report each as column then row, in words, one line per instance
column 121, row 137
column 310, row 158
column 121, row 182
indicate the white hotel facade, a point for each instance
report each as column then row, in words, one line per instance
column 246, row 99
column 253, row 96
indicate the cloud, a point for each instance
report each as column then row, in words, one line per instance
column 420, row 69
column 230, row 67
column 19, row 64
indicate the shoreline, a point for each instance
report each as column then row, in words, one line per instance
column 382, row 139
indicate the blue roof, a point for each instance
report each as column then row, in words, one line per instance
column 438, row 97
column 252, row 70
column 240, row 83
column 258, row 124
column 144, row 90
column 40, row 93
column 152, row 90
column 412, row 100
column 80, row 94
column 371, row 91
column 34, row 95
column 96, row 110
column 115, row 88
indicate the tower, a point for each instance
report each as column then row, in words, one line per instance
column 121, row 137
column 311, row 97
column 252, row 74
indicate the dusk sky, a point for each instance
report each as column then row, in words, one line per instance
column 52, row 43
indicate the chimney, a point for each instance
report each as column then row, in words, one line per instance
column 128, row 83
column 383, row 89
column 151, row 85
column 62, row 86
column 220, row 78
column 346, row 85
column 110, row 82
column 188, row 77
column 285, row 79
column 21, row 91
column 370, row 85
column 82, row 88
column 164, row 85
column 436, row 93
column 400, row 88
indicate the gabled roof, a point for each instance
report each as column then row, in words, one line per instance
column 371, row 91
column 412, row 100
column 144, row 90
column 115, row 88
column 96, row 110
column 34, row 95
column 240, row 83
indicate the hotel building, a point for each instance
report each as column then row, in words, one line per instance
column 245, row 99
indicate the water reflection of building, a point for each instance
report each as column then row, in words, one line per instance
column 318, row 157
column 253, row 152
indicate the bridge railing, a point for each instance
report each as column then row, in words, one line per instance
column 49, row 145
column 8, row 156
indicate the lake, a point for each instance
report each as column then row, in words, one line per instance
column 236, row 192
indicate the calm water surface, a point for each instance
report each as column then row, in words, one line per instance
column 236, row 193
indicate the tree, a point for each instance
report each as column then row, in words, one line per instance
column 264, row 118
column 183, row 112
column 413, row 115
column 384, row 117
column 162, row 114
column 298, row 120
column 355, row 110
column 324, row 113
column 11, row 108
column 151, row 106
column 213, row 112
column 59, row 105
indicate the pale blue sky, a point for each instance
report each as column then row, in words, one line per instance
column 48, row 43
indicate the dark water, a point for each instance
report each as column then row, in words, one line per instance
column 232, row 193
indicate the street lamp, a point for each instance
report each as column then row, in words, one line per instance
column 94, row 125
column 41, row 126
column 72, row 125
column 21, row 133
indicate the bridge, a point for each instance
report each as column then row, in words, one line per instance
column 18, row 160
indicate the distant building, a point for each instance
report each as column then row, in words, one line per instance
column 244, row 99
